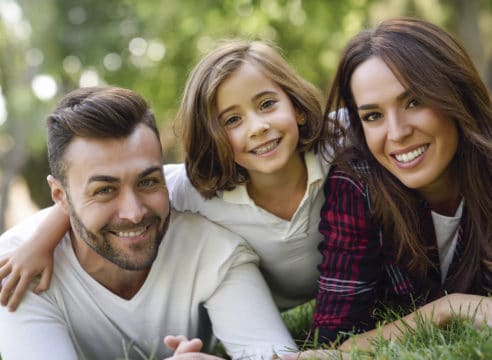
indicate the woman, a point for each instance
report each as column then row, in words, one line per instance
column 408, row 198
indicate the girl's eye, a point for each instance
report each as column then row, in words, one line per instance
column 371, row 116
column 267, row 104
column 231, row 121
column 413, row 103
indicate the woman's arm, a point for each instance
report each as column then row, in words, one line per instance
column 34, row 257
column 352, row 262
column 440, row 312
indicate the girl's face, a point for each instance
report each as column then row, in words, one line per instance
column 412, row 141
column 260, row 121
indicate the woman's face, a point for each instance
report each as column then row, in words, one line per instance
column 412, row 141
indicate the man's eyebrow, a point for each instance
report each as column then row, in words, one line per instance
column 102, row 178
column 150, row 170
column 400, row 97
column 112, row 179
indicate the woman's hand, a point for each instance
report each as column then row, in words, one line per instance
column 475, row 308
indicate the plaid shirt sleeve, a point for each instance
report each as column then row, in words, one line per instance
column 352, row 262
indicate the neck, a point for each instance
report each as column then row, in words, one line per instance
column 443, row 196
column 282, row 192
column 122, row 282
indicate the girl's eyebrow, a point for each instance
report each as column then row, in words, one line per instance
column 400, row 97
column 256, row 97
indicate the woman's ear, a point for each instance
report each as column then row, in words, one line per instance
column 58, row 193
column 300, row 118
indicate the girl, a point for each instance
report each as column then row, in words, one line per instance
column 252, row 131
column 408, row 198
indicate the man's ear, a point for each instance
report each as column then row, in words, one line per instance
column 58, row 193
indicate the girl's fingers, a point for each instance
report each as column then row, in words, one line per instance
column 7, row 288
column 18, row 293
column 44, row 282
column 5, row 270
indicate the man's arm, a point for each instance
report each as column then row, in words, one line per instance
column 35, row 331
column 245, row 318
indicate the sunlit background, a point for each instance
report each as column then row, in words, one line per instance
column 50, row 47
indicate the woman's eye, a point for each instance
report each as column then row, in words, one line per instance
column 413, row 103
column 371, row 116
column 267, row 104
column 230, row 121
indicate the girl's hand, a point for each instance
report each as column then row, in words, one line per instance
column 19, row 270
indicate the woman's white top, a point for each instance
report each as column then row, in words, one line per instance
column 446, row 228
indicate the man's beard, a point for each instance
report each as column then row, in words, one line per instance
column 143, row 254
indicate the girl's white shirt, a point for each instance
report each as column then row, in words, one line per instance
column 288, row 250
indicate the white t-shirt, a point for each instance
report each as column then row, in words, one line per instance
column 198, row 263
column 287, row 249
column 446, row 228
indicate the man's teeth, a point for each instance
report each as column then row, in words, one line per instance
column 266, row 148
column 130, row 233
column 407, row 157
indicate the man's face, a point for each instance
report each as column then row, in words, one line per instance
column 117, row 196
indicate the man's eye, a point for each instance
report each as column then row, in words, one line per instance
column 104, row 191
column 148, row 182
column 371, row 116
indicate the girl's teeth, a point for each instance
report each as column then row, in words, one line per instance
column 266, row 148
column 407, row 157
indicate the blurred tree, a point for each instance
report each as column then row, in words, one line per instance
column 150, row 46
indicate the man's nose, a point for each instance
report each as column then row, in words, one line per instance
column 131, row 207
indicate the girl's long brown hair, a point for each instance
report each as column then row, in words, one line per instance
column 209, row 158
column 436, row 69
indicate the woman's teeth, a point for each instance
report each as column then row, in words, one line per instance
column 412, row 155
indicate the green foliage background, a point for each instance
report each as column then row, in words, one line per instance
column 311, row 34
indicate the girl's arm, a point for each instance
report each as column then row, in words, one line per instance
column 472, row 307
column 34, row 257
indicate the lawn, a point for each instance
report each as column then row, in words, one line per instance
column 457, row 341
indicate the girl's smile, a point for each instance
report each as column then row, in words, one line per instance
column 260, row 121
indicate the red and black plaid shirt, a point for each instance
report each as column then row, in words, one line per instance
column 359, row 270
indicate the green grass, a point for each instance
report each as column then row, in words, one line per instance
column 457, row 341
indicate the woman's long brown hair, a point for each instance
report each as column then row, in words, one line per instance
column 436, row 69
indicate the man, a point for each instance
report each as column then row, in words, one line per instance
column 130, row 270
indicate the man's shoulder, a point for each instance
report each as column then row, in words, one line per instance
column 193, row 233
column 199, row 227
column 20, row 232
